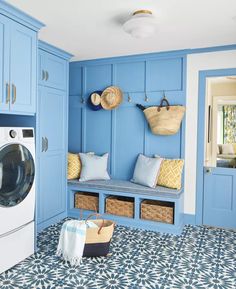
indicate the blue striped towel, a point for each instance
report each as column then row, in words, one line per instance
column 72, row 240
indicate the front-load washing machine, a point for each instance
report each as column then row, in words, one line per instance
column 17, row 195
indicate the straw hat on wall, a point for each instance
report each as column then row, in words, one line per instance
column 111, row 97
column 94, row 100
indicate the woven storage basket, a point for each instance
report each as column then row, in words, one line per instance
column 86, row 201
column 164, row 120
column 98, row 240
column 157, row 211
column 120, row 206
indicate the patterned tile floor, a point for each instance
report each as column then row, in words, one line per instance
column 200, row 258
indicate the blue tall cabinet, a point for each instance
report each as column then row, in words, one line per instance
column 18, row 58
column 52, row 110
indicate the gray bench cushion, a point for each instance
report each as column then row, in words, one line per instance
column 126, row 186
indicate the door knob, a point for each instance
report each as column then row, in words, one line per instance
column 208, row 170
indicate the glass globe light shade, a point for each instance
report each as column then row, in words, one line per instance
column 141, row 25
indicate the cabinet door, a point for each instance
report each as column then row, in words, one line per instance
column 4, row 61
column 52, row 156
column 55, row 69
column 23, row 55
column 52, row 124
column 52, row 186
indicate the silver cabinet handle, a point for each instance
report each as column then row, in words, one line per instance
column 46, row 141
column 14, row 93
column 8, row 92
column 43, row 74
column 47, row 76
column 43, row 144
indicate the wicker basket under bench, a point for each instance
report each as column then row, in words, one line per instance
column 87, row 201
column 159, row 211
column 120, row 206
column 167, row 219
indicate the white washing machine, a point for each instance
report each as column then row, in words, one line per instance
column 17, row 195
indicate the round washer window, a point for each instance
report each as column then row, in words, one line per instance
column 16, row 174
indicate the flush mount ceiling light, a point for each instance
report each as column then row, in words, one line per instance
column 142, row 24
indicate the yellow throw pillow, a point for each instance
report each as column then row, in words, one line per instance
column 170, row 174
column 74, row 166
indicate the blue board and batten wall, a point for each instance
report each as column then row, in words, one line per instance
column 124, row 132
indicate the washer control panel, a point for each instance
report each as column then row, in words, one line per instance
column 16, row 134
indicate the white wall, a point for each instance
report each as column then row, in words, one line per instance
column 196, row 63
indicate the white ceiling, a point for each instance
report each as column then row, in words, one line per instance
column 93, row 28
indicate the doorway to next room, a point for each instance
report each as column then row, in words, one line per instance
column 217, row 148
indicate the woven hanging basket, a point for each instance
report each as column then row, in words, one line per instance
column 164, row 120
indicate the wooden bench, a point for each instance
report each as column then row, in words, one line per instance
column 139, row 193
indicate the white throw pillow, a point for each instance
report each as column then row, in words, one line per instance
column 146, row 171
column 227, row 149
column 93, row 167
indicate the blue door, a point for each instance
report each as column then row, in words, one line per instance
column 4, row 67
column 23, row 56
column 219, row 197
column 217, row 149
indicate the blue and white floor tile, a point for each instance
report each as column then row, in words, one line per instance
column 199, row 258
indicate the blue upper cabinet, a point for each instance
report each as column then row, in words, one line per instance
column 18, row 55
column 52, row 71
column 23, row 69
column 52, row 68
column 164, row 74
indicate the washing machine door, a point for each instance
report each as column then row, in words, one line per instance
column 17, row 172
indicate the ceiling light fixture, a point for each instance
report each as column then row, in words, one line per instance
column 142, row 24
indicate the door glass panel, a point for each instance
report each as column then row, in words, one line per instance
column 221, row 123
column 226, row 135
column 16, row 174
